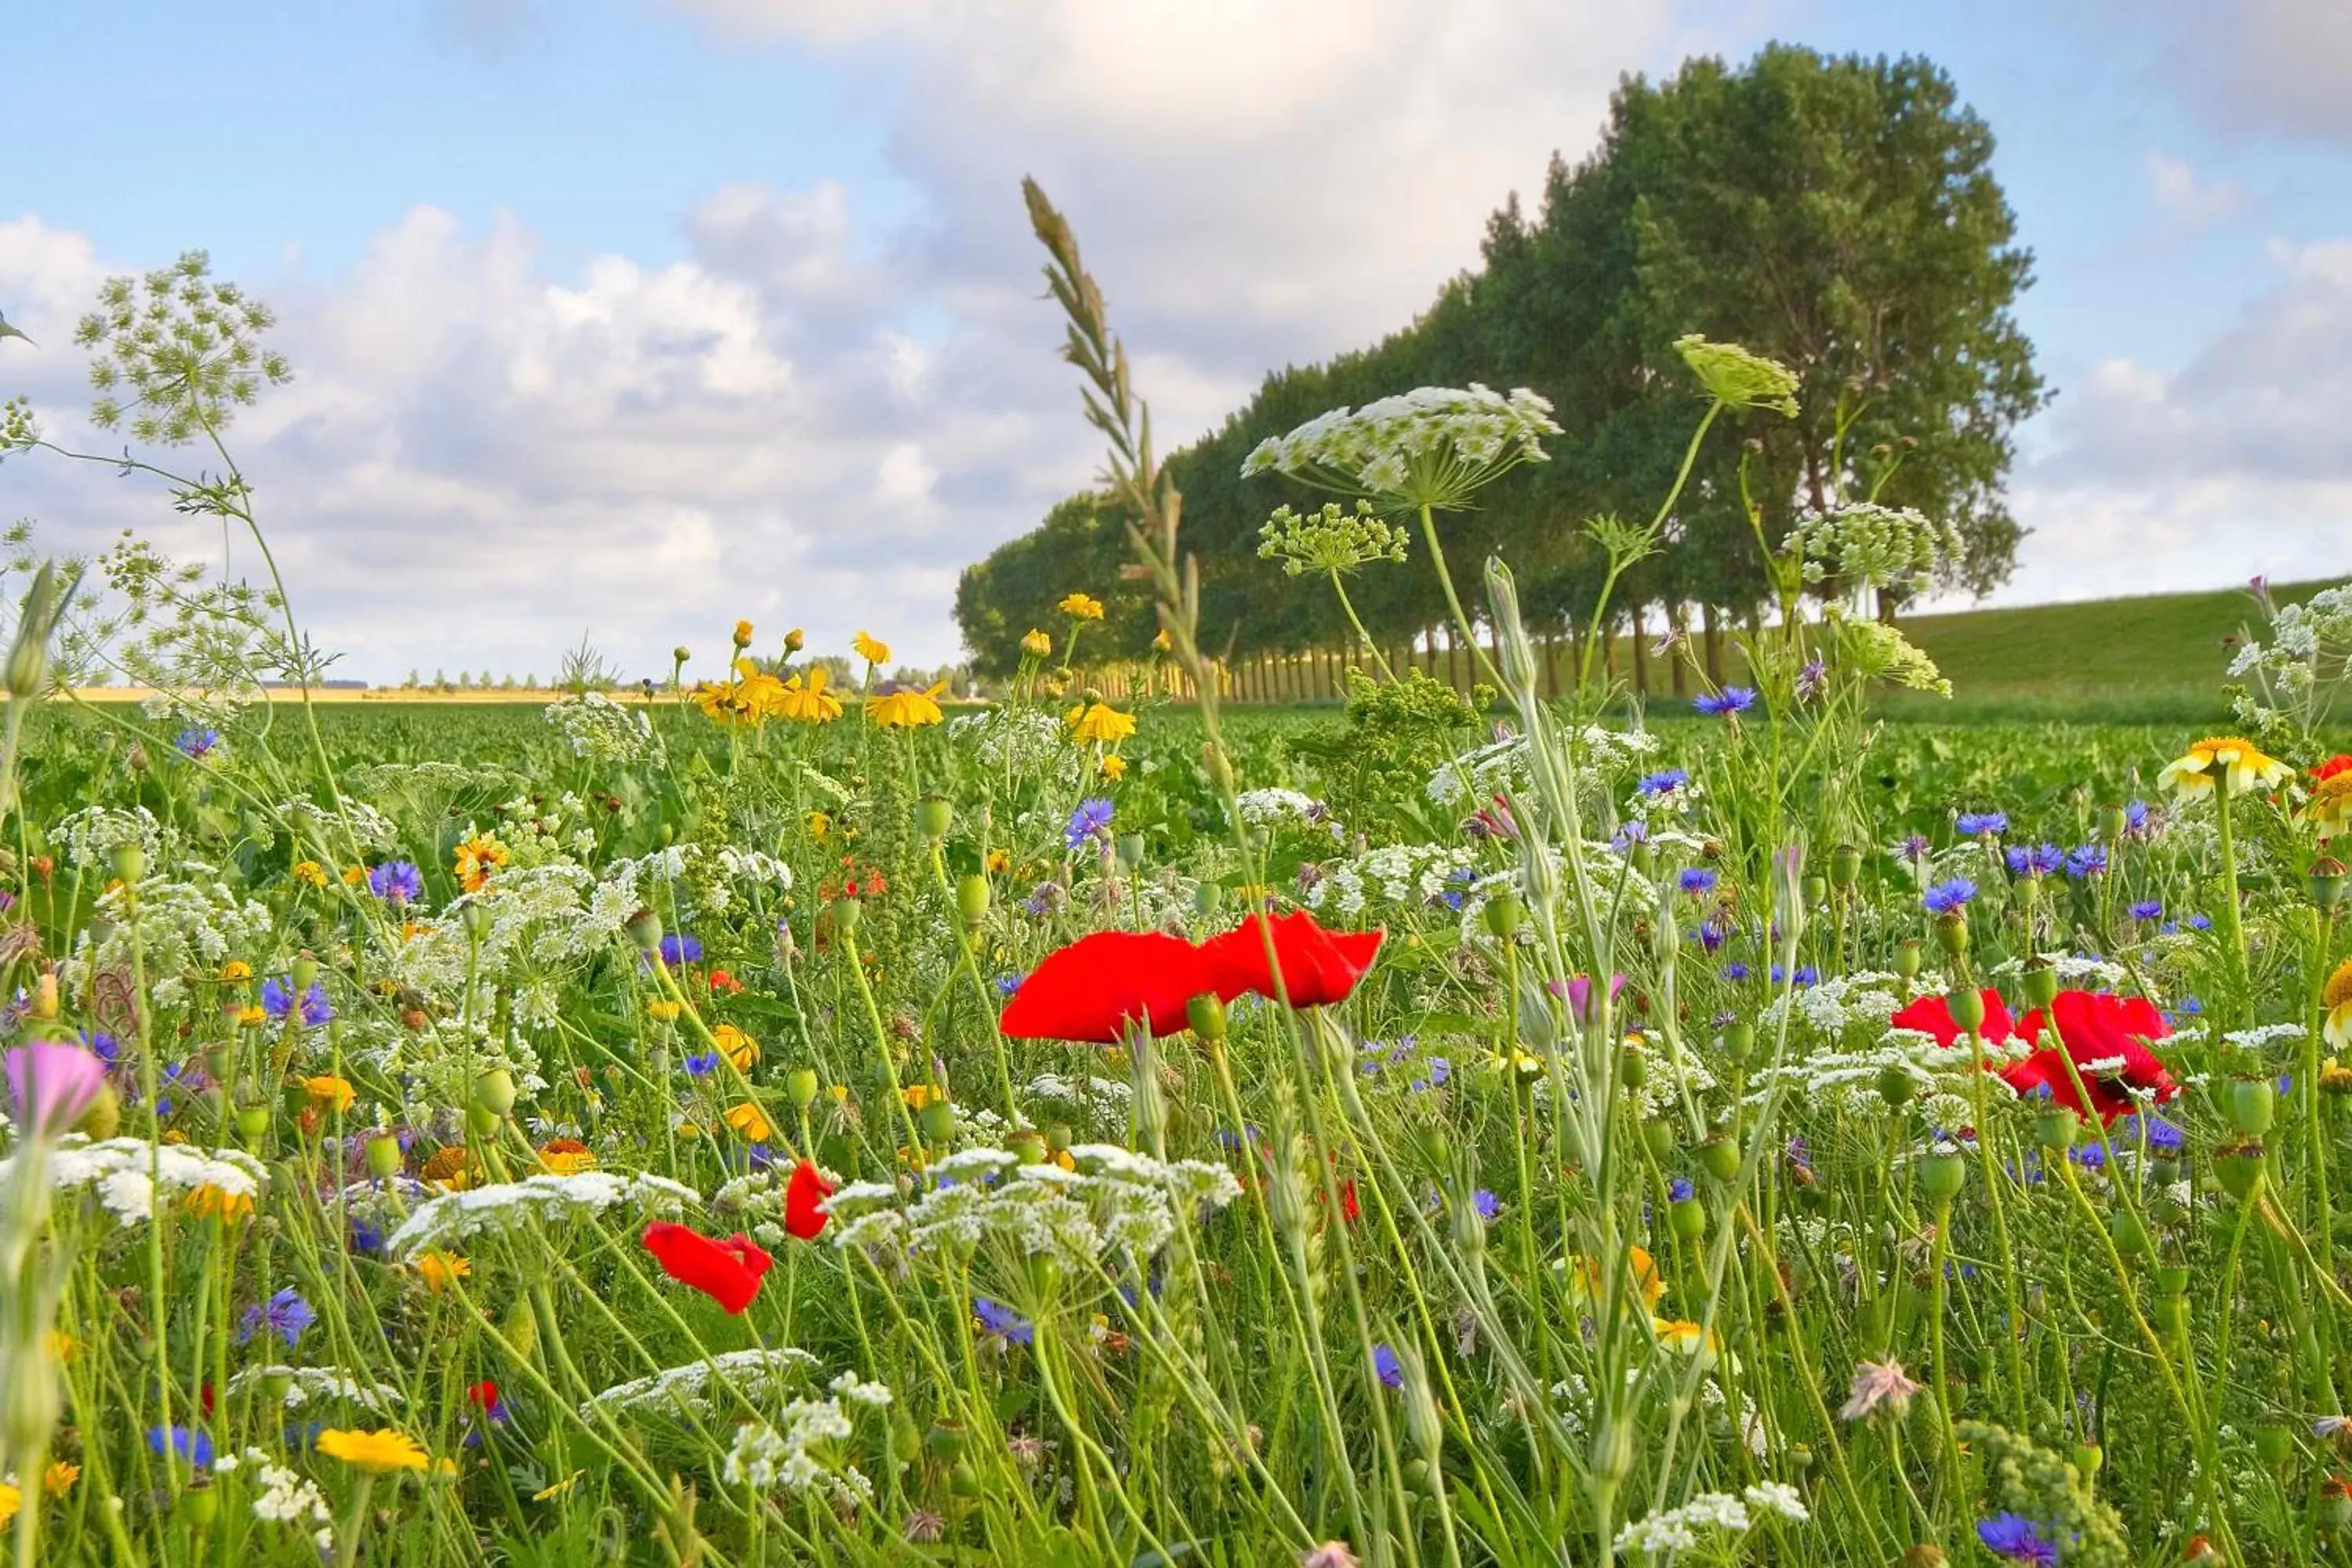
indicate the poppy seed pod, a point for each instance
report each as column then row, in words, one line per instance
column 200, row 1504
column 1909, row 958
column 1952, row 933
column 934, row 815
column 130, row 863
column 2040, row 982
column 1500, row 914
column 1129, row 848
column 1941, row 1177
column 1719, row 1157
column 2240, row 1168
column 494, row 1091
column 1738, row 1039
column 2252, row 1104
column 971, row 900
column 1687, row 1218
column 645, row 928
column 1206, row 1014
column 1968, row 1009
column 2325, row 882
column 384, row 1155
column 846, row 912
column 800, row 1084
column 1845, row 865
column 2057, row 1128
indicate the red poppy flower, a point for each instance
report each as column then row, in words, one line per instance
column 722, row 981
column 2101, row 1030
column 1318, row 967
column 802, row 1195
column 483, row 1396
column 1099, row 985
column 1933, row 1015
column 2339, row 763
column 728, row 1271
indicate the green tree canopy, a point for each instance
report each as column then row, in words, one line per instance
column 1839, row 215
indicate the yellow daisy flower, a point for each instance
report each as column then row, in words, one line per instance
column 440, row 1270
column 477, row 858
column 805, row 699
column 750, row 1121
column 234, row 970
column 1037, row 644
column 309, row 873
column 906, row 710
column 1114, row 768
column 211, row 1202
column 741, row 1048
column 1645, row 1277
column 2331, row 800
column 2337, row 997
column 1081, row 606
column 1100, row 724
column 869, row 650
column 2244, row 766
column 662, row 1010
column 377, row 1453
column 999, row 862
column 11, row 1499
column 566, row 1156
column 819, row 825
column 329, row 1092
column 58, row 1479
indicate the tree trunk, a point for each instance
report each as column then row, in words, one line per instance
column 1679, row 618
column 1641, row 650
column 1714, row 638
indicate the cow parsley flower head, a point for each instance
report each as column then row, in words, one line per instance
column 1329, row 540
column 1737, row 378
column 1433, row 446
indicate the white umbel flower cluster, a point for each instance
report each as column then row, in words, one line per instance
column 1116, row 1200
column 126, row 1172
column 505, row 1205
column 1677, row 1529
column 1429, row 447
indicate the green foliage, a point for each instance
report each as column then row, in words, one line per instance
column 1393, row 736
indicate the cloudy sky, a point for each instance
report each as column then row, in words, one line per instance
column 632, row 315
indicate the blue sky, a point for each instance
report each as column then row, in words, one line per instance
column 633, row 317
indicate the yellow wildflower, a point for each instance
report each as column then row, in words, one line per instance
column 1644, row 1270
column 1081, row 606
column 819, row 825
column 1682, row 1334
column 234, row 970
column 566, row 1156
column 477, row 858
column 1161, row 642
column 353, row 875
column 558, row 1489
column 906, row 710
column 741, row 1048
column 1037, row 644
column 805, row 700
column 2243, row 765
column 750, row 1121
column 11, row 1499
column 1100, row 724
column 309, row 873
column 329, row 1092
column 58, row 1479
column 840, row 1092
column 662, row 1010
column 440, row 1270
column 743, row 634
column 211, row 1202
column 377, row 1453
column 919, row 1095
column 63, row 1346
column 999, row 862
column 2337, row 997
column 2331, row 800
column 249, row 1016
column 868, row 649
column 1114, row 768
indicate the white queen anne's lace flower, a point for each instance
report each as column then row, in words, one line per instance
column 504, row 1205
column 1431, row 446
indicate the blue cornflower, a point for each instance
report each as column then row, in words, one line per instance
column 1090, row 820
column 1485, row 1203
column 1947, row 896
column 278, row 1000
column 2090, row 1156
column 2086, row 860
column 1813, row 679
column 1712, row 933
column 195, row 743
column 1731, row 699
column 2163, row 1137
column 1390, row 1369
column 2200, row 922
column 397, row 882
column 1436, row 1074
column 189, row 1444
column 1679, row 1190
column 1453, row 896
column 1735, row 970
column 678, row 949
column 1665, row 781
column 1974, row 823
column 1629, row 834
column 285, row 1315
column 101, row 1045
column 1806, row 974
column 2136, row 818
column 2017, row 1538
column 2146, row 909
column 701, row 1065
column 1006, row 984
column 1002, row 1322
column 1914, row 850
column 2035, row 860
column 1696, row 880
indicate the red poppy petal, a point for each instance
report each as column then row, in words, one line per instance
column 1929, row 1015
column 702, row 1264
column 1318, row 967
column 803, row 1195
column 1096, row 987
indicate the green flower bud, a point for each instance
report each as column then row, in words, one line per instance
column 934, row 815
column 1207, row 1013
column 972, row 898
column 304, row 970
column 2039, row 982
column 2253, row 1102
column 1896, row 1086
column 2129, row 1233
column 1967, row 1008
column 1942, row 1173
column 1687, row 1219
column 800, row 1083
column 1845, row 865
column 1659, row 1134
column 845, row 913
column 2274, row 1444
column 1719, row 1157
column 494, row 1091
column 1500, row 914
column 2327, row 883
column 200, row 1503
column 130, row 863
column 938, row 1121
column 1909, row 958
column 2056, row 1129
column 476, row 918
column 1952, row 932
column 1739, row 1040
column 1130, row 849
column 384, row 1155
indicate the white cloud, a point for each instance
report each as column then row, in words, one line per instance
column 2261, row 66
column 2181, row 198
column 2231, row 465
column 813, row 422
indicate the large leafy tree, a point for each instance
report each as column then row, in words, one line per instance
column 1839, row 215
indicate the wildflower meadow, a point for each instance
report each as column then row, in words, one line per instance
column 783, row 1116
